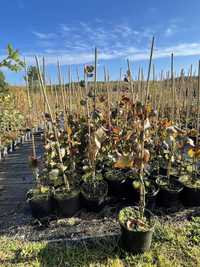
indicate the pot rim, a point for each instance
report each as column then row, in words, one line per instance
column 151, row 229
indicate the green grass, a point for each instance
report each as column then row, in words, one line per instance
column 173, row 245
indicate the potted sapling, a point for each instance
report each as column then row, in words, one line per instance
column 94, row 189
column 65, row 198
column 137, row 223
column 170, row 187
column 66, row 194
column 190, row 177
column 191, row 181
column 39, row 198
column 116, row 173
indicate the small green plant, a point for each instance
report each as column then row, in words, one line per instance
column 12, row 61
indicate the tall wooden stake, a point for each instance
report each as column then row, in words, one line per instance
column 149, row 70
column 95, row 79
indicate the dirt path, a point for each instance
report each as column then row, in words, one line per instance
column 16, row 179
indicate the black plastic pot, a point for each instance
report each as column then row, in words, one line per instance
column 190, row 196
column 41, row 206
column 169, row 197
column 151, row 197
column 153, row 175
column 66, row 205
column 14, row 145
column 163, row 171
column 136, row 241
column 10, row 147
column 174, row 177
column 117, row 188
column 131, row 194
column 94, row 202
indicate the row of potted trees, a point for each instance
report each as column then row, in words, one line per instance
column 125, row 151
column 12, row 122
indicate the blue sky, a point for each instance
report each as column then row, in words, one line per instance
column 69, row 31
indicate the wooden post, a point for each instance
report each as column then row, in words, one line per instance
column 43, row 89
column 95, row 79
column 172, row 87
column 149, row 70
column 30, row 109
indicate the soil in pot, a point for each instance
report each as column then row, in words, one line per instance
column 40, row 204
column 94, row 195
column 190, row 196
column 169, row 194
column 136, row 232
column 66, row 203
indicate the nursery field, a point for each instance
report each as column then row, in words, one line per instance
column 101, row 173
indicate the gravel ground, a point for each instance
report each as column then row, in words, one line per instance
column 19, row 223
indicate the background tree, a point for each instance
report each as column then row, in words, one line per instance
column 32, row 75
column 82, row 83
column 13, row 62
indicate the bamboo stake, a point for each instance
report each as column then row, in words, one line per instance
column 42, row 86
column 149, row 71
column 44, row 78
column 139, row 83
column 106, row 79
column 172, row 87
column 69, row 91
column 30, row 108
column 131, row 81
column 88, row 116
column 62, row 95
column 142, row 187
column 95, row 79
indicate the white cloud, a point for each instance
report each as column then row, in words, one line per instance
column 174, row 26
column 65, row 28
column 184, row 49
column 75, row 44
column 124, row 30
column 133, row 53
column 171, row 30
column 44, row 36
